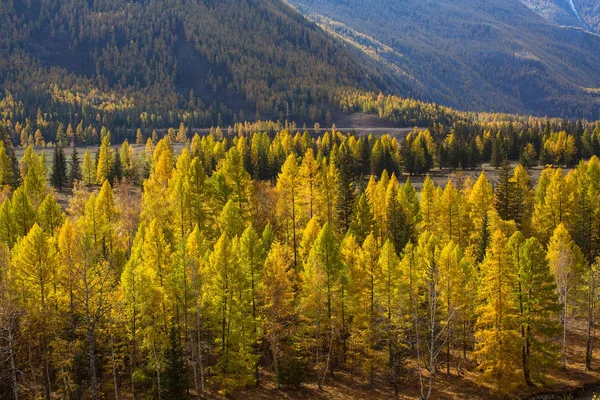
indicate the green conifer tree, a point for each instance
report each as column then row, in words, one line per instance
column 59, row 176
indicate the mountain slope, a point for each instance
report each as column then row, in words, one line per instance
column 589, row 10
column 560, row 12
column 159, row 62
column 488, row 55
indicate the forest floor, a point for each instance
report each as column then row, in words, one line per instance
column 466, row 386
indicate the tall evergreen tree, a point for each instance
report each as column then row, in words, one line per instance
column 116, row 172
column 346, row 196
column 175, row 386
column 75, row 167
column 59, row 176
column 505, row 193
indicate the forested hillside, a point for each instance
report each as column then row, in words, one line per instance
column 286, row 259
column 485, row 55
column 159, row 63
column 589, row 10
column 560, row 12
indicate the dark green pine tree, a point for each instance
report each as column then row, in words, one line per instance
column 398, row 229
column 362, row 219
column 443, row 156
column 407, row 155
column 59, row 168
column 345, row 164
column 485, row 239
column 505, row 193
column 75, row 171
column 428, row 157
column 60, row 135
column 14, row 162
column 473, row 155
column 116, row 172
column 176, row 383
column 499, row 153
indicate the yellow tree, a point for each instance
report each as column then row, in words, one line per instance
column 309, row 173
column 496, row 331
column 196, row 250
column 397, row 228
column 409, row 201
column 481, row 201
column 35, row 180
column 91, row 285
column 395, row 303
column 523, row 198
column 107, row 219
column 88, row 169
column 8, row 226
column 450, row 214
column 156, row 189
column 105, row 160
column 198, row 195
column 566, row 264
column 376, row 195
column 367, row 313
column 50, row 215
column 279, row 317
column 428, row 206
column 288, row 187
column 554, row 202
column 327, row 198
column 251, row 257
column 23, row 212
column 538, row 306
column 231, row 310
column 34, row 267
column 6, row 169
column 150, row 282
column 450, row 274
column 237, row 180
column 132, row 278
column 426, row 292
column 321, row 299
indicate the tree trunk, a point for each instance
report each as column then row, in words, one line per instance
column 133, row 351
column 46, row 369
column 114, row 368
column 13, row 364
column 590, row 329
column 92, row 356
column 275, row 359
column 199, row 348
column 564, row 338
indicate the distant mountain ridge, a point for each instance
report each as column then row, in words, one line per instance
column 483, row 55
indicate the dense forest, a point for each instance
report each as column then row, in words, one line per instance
column 159, row 63
column 176, row 221
column 257, row 254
